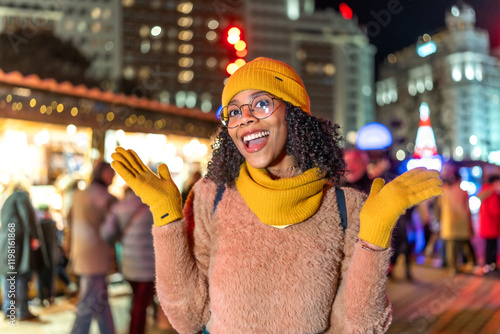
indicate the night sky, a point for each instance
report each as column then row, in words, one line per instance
column 414, row 18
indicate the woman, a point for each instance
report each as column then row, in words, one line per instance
column 20, row 237
column 272, row 257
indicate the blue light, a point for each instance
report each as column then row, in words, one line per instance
column 426, row 49
column 373, row 136
column 217, row 113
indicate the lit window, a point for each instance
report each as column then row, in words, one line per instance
column 420, row 86
column 186, row 62
column 456, row 74
column 213, row 24
column 476, row 153
column 180, row 99
column 185, row 22
column 469, row 72
column 380, row 101
column 211, row 35
column 185, row 7
column 144, row 72
column 301, row 55
column 329, row 69
column 310, row 68
column 144, row 31
column 386, row 98
column 211, row 62
column 145, row 46
column 428, row 84
column 164, row 96
column 412, row 89
column 96, row 27
column 191, row 99
column 95, row 13
column 185, row 49
column 393, row 94
column 128, row 72
column 186, row 35
column 479, row 72
column 156, row 31
column 185, row 76
column 82, row 26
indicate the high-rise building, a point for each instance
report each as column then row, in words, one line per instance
column 92, row 26
column 453, row 73
column 176, row 49
column 330, row 52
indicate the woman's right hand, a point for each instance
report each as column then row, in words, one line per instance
column 157, row 191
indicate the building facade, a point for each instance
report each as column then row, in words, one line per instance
column 453, row 72
column 331, row 54
column 90, row 25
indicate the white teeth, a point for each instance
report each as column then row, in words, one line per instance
column 255, row 136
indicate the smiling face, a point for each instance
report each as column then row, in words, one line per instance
column 261, row 141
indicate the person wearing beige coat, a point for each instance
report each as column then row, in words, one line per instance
column 90, row 256
column 456, row 222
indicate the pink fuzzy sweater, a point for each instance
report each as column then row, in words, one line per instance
column 234, row 274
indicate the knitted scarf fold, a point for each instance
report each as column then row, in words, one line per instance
column 284, row 201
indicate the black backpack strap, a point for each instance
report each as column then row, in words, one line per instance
column 342, row 207
column 218, row 196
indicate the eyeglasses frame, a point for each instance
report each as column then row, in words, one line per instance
column 249, row 108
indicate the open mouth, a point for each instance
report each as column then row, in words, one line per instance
column 255, row 139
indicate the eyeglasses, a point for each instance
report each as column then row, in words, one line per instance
column 261, row 106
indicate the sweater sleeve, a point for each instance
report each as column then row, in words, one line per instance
column 182, row 251
column 361, row 304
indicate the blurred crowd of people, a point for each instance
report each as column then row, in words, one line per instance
column 81, row 256
column 445, row 223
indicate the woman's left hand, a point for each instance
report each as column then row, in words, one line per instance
column 386, row 203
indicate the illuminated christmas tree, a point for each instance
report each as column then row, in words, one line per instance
column 425, row 154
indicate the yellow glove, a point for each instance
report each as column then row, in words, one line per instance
column 384, row 205
column 157, row 191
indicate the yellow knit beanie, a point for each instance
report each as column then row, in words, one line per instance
column 269, row 75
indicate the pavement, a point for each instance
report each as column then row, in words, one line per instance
column 58, row 317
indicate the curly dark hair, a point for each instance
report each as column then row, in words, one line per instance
column 312, row 141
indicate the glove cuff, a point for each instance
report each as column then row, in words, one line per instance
column 376, row 233
column 166, row 212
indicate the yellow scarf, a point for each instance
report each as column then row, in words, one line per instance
column 280, row 202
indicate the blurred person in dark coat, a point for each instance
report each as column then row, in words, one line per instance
column 130, row 222
column 19, row 239
column 90, row 256
column 46, row 268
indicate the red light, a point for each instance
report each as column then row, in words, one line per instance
column 345, row 11
column 233, row 35
column 242, row 53
column 240, row 45
column 234, row 31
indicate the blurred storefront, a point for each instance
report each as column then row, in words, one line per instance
column 52, row 133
